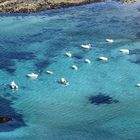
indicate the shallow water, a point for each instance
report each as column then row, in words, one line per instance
column 102, row 100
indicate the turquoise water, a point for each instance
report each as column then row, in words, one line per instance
column 102, row 100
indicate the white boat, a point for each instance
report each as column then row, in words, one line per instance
column 13, row 85
column 32, row 75
column 88, row 46
column 64, row 82
column 138, row 85
column 74, row 67
column 68, row 54
column 125, row 51
column 103, row 58
column 49, row 72
column 109, row 40
column 87, row 61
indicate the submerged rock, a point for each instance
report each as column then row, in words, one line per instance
column 102, row 99
column 4, row 119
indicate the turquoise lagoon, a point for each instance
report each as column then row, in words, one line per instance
column 102, row 101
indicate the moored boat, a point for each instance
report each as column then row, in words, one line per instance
column 32, row 75
column 88, row 46
column 74, row 67
column 64, row 81
column 103, row 58
column 87, row 61
column 125, row 51
column 109, row 40
column 13, row 85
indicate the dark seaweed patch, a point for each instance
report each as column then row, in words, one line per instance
column 138, row 9
column 101, row 99
column 136, row 62
column 17, row 119
column 7, row 65
column 38, row 37
column 42, row 65
column 113, row 20
column 78, row 56
column 136, row 51
column 136, row 23
column 138, row 35
column 7, row 62
column 10, row 96
column 20, row 55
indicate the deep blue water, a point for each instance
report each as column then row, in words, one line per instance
column 102, row 100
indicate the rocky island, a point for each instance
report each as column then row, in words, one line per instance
column 28, row 6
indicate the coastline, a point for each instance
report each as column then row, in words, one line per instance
column 23, row 6
column 30, row 6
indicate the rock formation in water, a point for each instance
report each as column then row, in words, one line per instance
column 4, row 119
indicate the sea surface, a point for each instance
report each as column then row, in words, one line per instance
column 102, row 101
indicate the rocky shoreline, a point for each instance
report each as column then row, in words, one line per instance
column 29, row 6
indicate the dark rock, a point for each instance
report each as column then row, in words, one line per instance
column 4, row 119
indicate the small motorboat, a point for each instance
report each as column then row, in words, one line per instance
column 68, row 54
column 88, row 46
column 138, row 85
column 87, row 61
column 125, row 51
column 74, row 67
column 109, row 40
column 103, row 58
column 49, row 72
column 32, row 75
column 64, row 82
column 13, row 85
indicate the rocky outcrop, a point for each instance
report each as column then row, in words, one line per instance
column 28, row 6
column 4, row 119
